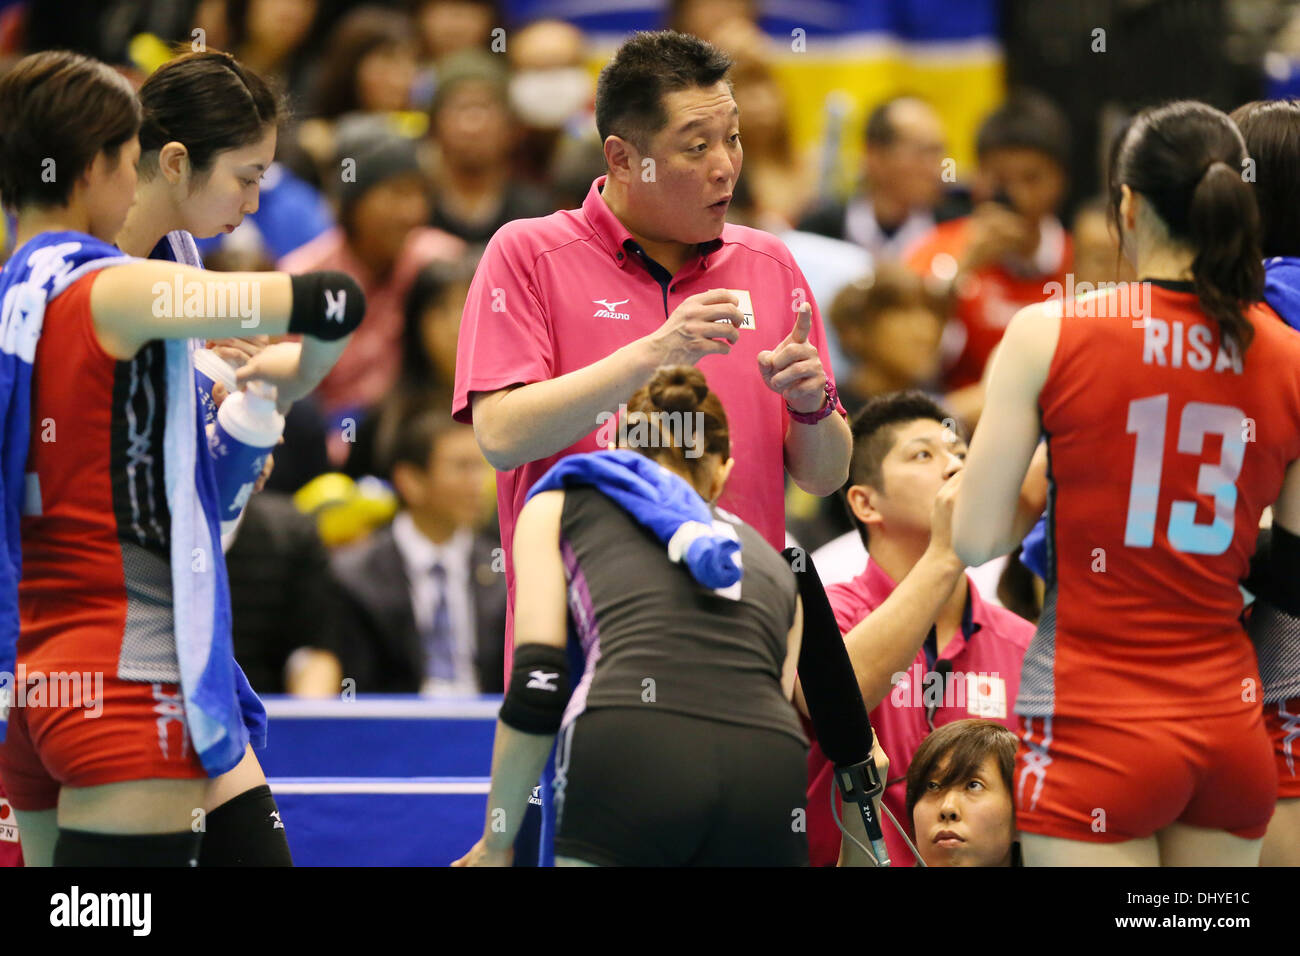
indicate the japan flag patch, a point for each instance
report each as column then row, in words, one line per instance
column 986, row 696
column 746, row 307
column 8, row 823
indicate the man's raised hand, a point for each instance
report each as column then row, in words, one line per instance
column 794, row 369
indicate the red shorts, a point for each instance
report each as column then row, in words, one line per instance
column 116, row 731
column 1105, row 781
column 1283, row 723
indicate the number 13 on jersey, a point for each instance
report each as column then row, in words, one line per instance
column 1147, row 418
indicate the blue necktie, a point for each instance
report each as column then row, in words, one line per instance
column 440, row 656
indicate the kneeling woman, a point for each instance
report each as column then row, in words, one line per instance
column 679, row 745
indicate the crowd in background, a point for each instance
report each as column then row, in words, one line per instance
column 419, row 128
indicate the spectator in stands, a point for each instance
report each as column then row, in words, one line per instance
column 1000, row 258
column 382, row 242
column 890, row 324
column 424, row 600
column 552, row 94
column 779, row 178
column 701, row 17
column 926, row 647
column 279, row 39
column 281, row 600
column 473, row 134
column 433, row 312
column 902, row 184
column 368, row 64
column 959, row 796
column 1097, row 256
column 450, row 26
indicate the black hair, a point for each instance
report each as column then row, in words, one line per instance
column 1186, row 159
column 432, row 283
column 208, row 102
column 965, row 744
column 417, row 437
column 1271, row 129
column 874, row 431
column 58, row 111
column 631, row 88
column 1027, row 120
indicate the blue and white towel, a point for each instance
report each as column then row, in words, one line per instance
column 213, row 684
column 658, row 500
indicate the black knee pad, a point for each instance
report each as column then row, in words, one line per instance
column 83, row 848
column 246, row 831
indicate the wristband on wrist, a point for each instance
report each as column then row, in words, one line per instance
column 326, row 305
column 812, row 418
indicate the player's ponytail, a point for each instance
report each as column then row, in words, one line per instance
column 677, row 421
column 1228, row 269
column 1186, row 159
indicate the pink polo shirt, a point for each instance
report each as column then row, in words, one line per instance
column 556, row 294
column 985, row 655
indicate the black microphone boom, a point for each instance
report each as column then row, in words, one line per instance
column 835, row 705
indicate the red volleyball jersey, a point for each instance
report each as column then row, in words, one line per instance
column 1165, row 447
column 96, row 585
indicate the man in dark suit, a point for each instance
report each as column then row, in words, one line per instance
column 423, row 601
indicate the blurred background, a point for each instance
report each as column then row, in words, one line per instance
column 932, row 165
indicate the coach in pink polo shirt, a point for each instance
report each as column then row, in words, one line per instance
column 926, row 648
column 570, row 314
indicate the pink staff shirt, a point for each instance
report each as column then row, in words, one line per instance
column 556, row 294
column 985, row 654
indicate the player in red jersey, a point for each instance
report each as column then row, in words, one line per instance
column 208, row 137
column 96, row 592
column 1171, row 409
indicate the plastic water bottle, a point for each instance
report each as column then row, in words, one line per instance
column 247, row 429
column 209, row 368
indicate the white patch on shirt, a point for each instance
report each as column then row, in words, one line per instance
column 986, row 696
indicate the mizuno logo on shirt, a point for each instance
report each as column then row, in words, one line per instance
column 540, row 680
column 610, row 310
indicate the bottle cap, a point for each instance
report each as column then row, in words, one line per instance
column 260, row 397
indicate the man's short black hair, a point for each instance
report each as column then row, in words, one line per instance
column 416, row 438
column 1027, row 120
column 875, row 432
column 630, row 91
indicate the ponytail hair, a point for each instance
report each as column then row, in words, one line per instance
column 684, row 421
column 1229, row 268
column 1187, row 159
